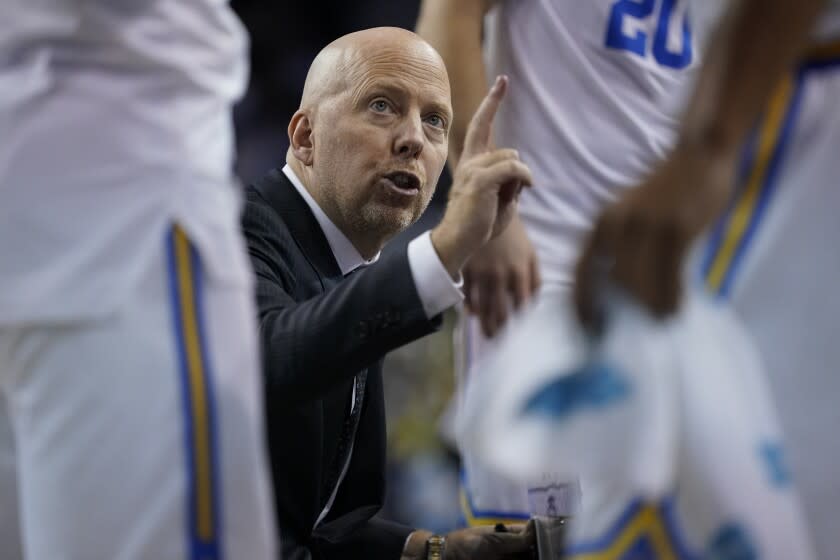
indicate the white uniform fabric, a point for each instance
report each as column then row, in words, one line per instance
column 113, row 439
column 116, row 120
column 596, row 93
column 587, row 117
column 669, row 427
column 773, row 256
column 131, row 420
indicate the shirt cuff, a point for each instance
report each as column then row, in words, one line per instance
column 435, row 287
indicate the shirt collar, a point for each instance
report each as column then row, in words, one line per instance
column 346, row 255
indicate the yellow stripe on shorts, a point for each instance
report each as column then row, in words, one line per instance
column 197, row 399
column 732, row 237
column 640, row 532
column 744, row 210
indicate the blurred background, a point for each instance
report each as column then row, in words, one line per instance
column 285, row 37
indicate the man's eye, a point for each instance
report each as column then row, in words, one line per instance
column 435, row 120
column 380, row 106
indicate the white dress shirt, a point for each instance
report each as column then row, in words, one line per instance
column 434, row 286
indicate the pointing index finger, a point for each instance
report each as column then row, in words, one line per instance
column 479, row 134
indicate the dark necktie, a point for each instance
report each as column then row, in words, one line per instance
column 348, row 432
column 345, row 440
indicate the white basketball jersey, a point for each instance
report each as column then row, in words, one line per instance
column 116, row 122
column 584, row 116
column 595, row 98
column 773, row 255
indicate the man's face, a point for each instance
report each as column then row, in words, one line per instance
column 380, row 145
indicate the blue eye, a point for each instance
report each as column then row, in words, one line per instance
column 436, row 121
column 380, row 106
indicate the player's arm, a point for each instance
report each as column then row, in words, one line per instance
column 503, row 274
column 756, row 44
column 454, row 29
column 641, row 239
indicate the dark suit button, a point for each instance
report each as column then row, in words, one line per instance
column 363, row 330
column 392, row 318
column 380, row 321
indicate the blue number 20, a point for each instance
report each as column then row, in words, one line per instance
column 638, row 42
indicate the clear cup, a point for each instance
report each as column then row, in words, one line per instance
column 551, row 504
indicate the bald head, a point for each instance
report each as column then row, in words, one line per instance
column 341, row 64
column 370, row 138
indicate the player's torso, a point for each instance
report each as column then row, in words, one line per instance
column 157, row 65
column 596, row 91
column 116, row 119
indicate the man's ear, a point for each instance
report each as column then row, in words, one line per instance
column 301, row 140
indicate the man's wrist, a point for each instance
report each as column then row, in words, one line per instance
column 448, row 251
column 435, row 547
column 437, row 290
column 415, row 545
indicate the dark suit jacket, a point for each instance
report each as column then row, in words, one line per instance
column 318, row 330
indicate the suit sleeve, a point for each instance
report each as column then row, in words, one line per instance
column 377, row 538
column 309, row 346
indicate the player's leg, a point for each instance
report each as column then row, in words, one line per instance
column 247, row 517
column 486, row 498
column 140, row 436
column 782, row 278
column 10, row 543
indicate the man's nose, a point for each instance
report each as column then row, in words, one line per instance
column 409, row 140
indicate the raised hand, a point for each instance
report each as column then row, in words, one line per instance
column 485, row 187
column 500, row 277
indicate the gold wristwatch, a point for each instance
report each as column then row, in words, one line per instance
column 435, row 546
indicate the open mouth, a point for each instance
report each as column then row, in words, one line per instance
column 403, row 182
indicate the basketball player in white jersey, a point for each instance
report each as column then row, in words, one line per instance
column 131, row 421
column 772, row 251
column 595, row 96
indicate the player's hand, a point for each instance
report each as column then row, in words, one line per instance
column 487, row 5
column 639, row 242
column 501, row 276
column 485, row 188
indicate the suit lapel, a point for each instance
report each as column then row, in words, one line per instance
column 279, row 192
column 285, row 200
